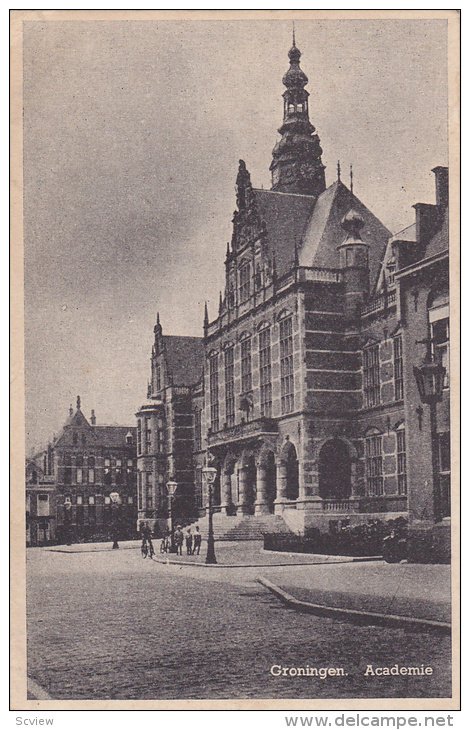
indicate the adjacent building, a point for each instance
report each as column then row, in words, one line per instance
column 79, row 478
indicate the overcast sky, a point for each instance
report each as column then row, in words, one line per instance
column 132, row 136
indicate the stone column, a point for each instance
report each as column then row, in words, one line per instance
column 243, row 507
column 261, row 504
column 226, row 491
column 281, row 487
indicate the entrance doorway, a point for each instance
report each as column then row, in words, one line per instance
column 335, row 470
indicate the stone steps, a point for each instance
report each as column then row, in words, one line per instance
column 243, row 527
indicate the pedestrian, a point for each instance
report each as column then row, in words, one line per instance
column 178, row 539
column 189, row 542
column 197, row 541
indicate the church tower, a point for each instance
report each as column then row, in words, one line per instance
column 297, row 165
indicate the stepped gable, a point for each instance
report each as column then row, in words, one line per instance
column 285, row 216
column 323, row 231
column 185, row 358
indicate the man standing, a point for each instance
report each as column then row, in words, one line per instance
column 189, row 542
column 197, row 541
column 179, row 537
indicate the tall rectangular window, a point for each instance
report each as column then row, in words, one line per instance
column 246, row 365
column 244, row 274
column 198, row 488
column 401, row 461
column 440, row 345
column 229, row 387
column 287, row 365
column 266, row 390
column 444, row 473
column 158, row 378
column 398, row 367
column 198, row 429
column 139, row 436
column 43, row 505
column 374, row 472
column 214, row 391
column 148, row 436
column 139, row 490
column 371, row 376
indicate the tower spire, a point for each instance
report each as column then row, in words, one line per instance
column 338, row 168
column 297, row 166
column 351, row 187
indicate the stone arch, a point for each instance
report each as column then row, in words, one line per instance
column 289, row 459
column 334, row 469
column 352, row 451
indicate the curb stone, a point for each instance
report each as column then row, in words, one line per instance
column 367, row 617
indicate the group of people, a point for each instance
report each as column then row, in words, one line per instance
column 192, row 540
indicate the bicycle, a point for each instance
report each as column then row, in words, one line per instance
column 145, row 550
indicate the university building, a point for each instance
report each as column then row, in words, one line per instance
column 69, row 485
column 302, row 390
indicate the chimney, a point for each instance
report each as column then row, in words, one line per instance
column 442, row 186
column 93, row 418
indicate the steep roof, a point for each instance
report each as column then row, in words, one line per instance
column 314, row 224
column 113, row 436
column 440, row 241
column 285, row 215
column 184, row 358
column 324, row 231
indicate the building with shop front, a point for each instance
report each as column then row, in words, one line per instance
column 84, row 468
column 308, row 406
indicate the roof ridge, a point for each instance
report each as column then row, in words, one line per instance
column 279, row 192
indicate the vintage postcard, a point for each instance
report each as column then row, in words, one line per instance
column 235, row 255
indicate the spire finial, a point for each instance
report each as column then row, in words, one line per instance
column 293, row 33
column 78, row 402
column 158, row 317
column 220, row 302
column 206, row 315
column 339, row 171
column 70, row 410
column 351, row 177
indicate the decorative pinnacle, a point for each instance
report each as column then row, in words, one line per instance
column 70, row 410
column 351, row 177
column 220, row 302
column 78, row 403
column 158, row 317
column 293, row 33
column 206, row 315
column 338, row 168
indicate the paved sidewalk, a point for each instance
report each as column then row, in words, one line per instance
column 420, row 591
column 93, row 547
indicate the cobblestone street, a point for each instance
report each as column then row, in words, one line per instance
column 109, row 625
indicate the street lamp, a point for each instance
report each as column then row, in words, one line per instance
column 115, row 502
column 430, row 377
column 210, row 474
column 171, row 487
column 68, row 520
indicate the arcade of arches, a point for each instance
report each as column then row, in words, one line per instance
column 253, row 481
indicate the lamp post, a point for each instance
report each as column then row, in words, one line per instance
column 210, row 474
column 171, row 487
column 68, row 521
column 115, row 502
column 430, row 377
